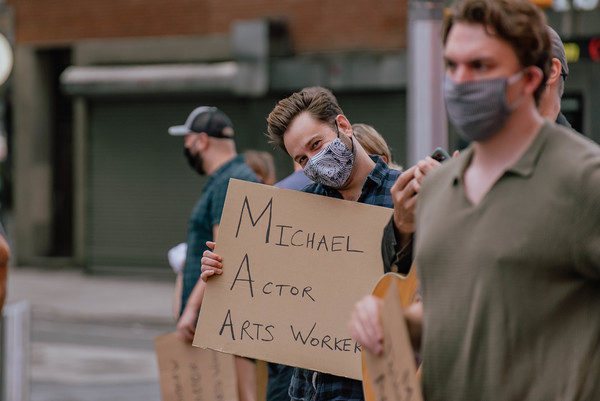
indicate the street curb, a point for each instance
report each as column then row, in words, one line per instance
column 48, row 314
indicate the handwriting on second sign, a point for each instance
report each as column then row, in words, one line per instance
column 196, row 381
column 218, row 388
column 270, row 288
column 175, row 376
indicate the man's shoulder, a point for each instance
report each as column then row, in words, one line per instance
column 217, row 186
column 569, row 149
column 244, row 172
column 238, row 169
column 392, row 176
column 575, row 140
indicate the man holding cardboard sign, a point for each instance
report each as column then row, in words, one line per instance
column 311, row 127
column 209, row 147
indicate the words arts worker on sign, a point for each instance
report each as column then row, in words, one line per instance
column 294, row 265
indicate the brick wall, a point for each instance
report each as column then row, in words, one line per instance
column 316, row 25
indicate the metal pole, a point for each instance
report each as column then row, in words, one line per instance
column 14, row 352
column 427, row 127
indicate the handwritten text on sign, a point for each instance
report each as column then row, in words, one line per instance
column 193, row 374
column 294, row 265
column 391, row 376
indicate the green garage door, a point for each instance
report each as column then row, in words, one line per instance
column 386, row 111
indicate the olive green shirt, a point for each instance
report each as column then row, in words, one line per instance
column 511, row 286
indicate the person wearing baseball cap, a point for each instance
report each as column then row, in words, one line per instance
column 206, row 119
column 202, row 126
column 209, row 148
column 549, row 104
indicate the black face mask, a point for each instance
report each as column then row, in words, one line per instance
column 195, row 162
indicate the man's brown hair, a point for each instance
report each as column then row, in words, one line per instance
column 318, row 101
column 519, row 22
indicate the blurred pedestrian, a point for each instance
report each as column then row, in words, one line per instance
column 297, row 180
column 263, row 165
column 549, row 104
column 209, row 147
column 508, row 231
column 373, row 143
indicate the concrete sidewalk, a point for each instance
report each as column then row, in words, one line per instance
column 72, row 295
column 92, row 337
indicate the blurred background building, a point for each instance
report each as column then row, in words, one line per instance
column 92, row 178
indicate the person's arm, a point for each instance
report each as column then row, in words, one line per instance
column 186, row 325
column 396, row 258
column 365, row 324
column 245, row 371
column 404, row 196
column 396, row 245
column 397, row 242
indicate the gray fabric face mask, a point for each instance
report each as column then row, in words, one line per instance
column 332, row 166
column 478, row 109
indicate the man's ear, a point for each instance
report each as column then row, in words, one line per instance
column 555, row 70
column 344, row 125
column 533, row 79
column 203, row 141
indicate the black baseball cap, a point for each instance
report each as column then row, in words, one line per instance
column 558, row 51
column 206, row 119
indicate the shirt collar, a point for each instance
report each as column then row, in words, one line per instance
column 524, row 166
column 225, row 166
column 462, row 162
column 380, row 170
column 228, row 163
column 377, row 176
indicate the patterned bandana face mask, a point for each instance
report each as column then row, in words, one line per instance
column 332, row 166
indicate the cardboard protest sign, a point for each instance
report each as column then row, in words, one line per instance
column 294, row 266
column 391, row 376
column 192, row 374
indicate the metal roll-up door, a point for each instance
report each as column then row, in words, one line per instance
column 140, row 189
column 386, row 111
